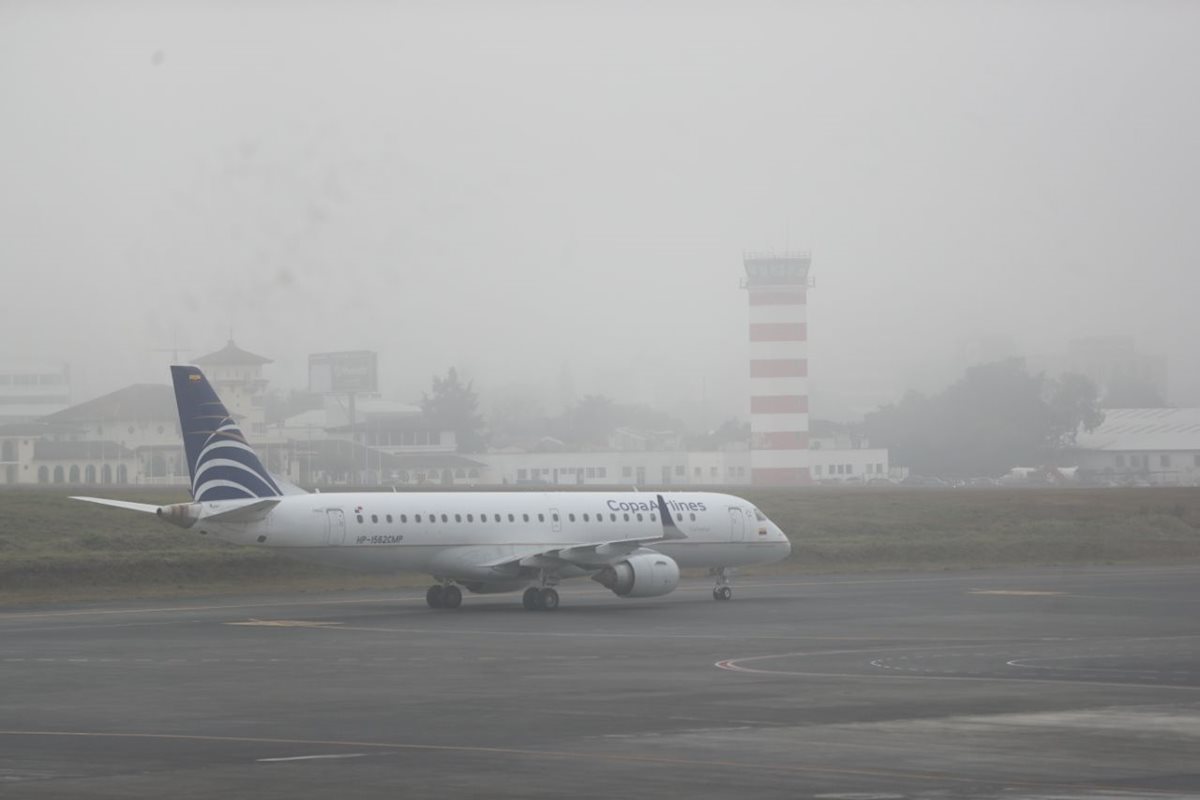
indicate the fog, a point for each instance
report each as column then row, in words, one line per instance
column 534, row 190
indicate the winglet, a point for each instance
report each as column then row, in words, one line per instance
column 670, row 529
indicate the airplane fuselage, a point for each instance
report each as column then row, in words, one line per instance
column 452, row 533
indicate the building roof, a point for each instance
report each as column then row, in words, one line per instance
column 232, row 356
column 141, row 401
column 83, row 451
column 1142, row 429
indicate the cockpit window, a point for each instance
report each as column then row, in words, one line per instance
column 758, row 515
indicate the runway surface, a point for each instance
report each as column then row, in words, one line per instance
column 1048, row 683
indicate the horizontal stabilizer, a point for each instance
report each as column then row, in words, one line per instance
column 251, row 512
column 104, row 501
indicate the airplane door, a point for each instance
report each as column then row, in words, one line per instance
column 555, row 524
column 737, row 525
column 336, row 533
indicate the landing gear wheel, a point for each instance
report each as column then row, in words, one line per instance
column 722, row 591
column 451, row 597
column 532, row 599
column 434, row 597
column 549, row 599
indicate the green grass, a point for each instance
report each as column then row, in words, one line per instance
column 858, row 529
column 53, row 548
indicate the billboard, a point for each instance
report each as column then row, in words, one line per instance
column 343, row 373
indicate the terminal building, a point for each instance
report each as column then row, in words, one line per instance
column 130, row 436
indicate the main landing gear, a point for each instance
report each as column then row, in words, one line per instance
column 723, row 590
column 443, row 596
column 536, row 599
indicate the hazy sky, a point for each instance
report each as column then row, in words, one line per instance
column 509, row 187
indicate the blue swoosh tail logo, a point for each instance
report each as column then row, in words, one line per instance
column 220, row 461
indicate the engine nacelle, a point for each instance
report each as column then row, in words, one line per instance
column 640, row 575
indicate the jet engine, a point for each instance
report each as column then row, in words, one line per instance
column 640, row 575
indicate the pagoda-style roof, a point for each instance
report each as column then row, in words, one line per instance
column 232, row 356
column 141, row 401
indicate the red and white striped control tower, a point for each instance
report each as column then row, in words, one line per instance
column 778, row 288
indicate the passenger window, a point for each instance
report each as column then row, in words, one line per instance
column 541, row 517
column 693, row 516
column 445, row 518
column 416, row 518
column 627, row 517
column 403, row 518
column 556, row 517
column 511, row 518
column 585, row 517
column 526, row 517
column 389, row 518
column 470, row 518
column 458, row 517
column 359, row 518
column 571, row 517
column 375, row 518
column 639, row 517
column 653, row 518
column 613, row 517
column 679, row 517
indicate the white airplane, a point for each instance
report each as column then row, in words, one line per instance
column 631, row 543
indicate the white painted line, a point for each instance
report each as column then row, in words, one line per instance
column 313, row 758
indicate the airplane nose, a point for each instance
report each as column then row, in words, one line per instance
column 787, row 543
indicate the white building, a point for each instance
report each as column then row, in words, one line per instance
column 1159, row 446
column 31, row 389
column 619, row 468
column 127, row 436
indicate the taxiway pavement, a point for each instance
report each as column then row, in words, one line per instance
column 1033, row 683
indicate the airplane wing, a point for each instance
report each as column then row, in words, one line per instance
column 104, row 501
column 592, row 554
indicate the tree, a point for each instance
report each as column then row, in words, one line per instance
column 731, row 431
column 1074, row 403
column 453, row 405
column 592, row 419
column 995, row 417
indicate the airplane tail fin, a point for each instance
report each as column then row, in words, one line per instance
column 221, row 463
